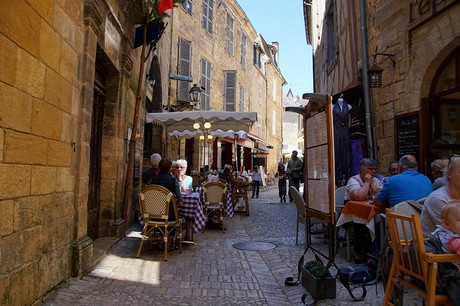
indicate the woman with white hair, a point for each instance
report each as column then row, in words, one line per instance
column 185, row 181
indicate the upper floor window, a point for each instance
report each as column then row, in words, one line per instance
column 187, row 6
column 229, row 34
column 206, row 83
column 208, row 15
column 183, row 68
column 241, row 98
column 260, row 90
column 273, row 122
column 243, row 49
column 274, row 89
column 257, row 56
column 331, row 30
column 229, row 90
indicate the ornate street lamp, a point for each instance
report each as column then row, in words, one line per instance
column 195, row 95
column 375, row 76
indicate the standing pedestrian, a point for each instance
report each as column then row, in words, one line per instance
column 256, row 177
column 295, row 167
column 282, row 175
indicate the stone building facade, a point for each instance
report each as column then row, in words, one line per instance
column 69, row 76
column 68, row 81
column 216, row 44
column 415, row 111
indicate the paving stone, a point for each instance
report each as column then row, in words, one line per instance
column 212, row 272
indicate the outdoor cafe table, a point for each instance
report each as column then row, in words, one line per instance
column 360, row 212
column 192, row 209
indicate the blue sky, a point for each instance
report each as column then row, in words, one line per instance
column 282, row 21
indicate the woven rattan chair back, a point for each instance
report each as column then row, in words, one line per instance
column 155, row 200
column 214, row 192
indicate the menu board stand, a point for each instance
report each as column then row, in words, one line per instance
column 319, row 163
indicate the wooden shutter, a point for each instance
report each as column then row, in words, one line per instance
column 206, row 83
column 183, row 68
column 230, row 90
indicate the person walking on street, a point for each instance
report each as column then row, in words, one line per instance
column 295, row 168
column 282, row 176
column 256, row 177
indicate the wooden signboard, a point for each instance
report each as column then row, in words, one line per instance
column 319, row 157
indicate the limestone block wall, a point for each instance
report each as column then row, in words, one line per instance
column 39, row 86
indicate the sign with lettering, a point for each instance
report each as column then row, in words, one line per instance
column 421, row 11
column 407, row 135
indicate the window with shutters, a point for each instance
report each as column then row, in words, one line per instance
column 229, row 34
column 257, row 56
column 230, row 90
column 183, row 68
column 273, row 122
column 208, row 15
column 274, row 89
column 243, row 49
column 241, row 98
column 206, row 83
column 187, row 6
column 260, row 90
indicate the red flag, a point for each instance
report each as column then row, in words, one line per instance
column 164, row 5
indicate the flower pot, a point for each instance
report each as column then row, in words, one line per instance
column 319, row 288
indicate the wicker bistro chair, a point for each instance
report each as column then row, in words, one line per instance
column 412, row 267
column 214, row 201
column 196, row 181
column 155, row 203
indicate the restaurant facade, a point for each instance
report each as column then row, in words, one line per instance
column 413, row 108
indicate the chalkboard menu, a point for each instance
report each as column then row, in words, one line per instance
column 407, row 135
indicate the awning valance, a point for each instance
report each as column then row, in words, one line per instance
column 218, row 133
column 262, row 144
column 220, row 120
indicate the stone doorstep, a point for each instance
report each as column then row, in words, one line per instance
column 101, row 247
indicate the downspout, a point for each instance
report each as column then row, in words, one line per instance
column 370, row 131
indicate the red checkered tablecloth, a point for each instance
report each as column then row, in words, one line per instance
column 192, row 208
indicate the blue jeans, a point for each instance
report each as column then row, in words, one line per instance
column 255, row 188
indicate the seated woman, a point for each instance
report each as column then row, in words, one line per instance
column 185, row 181
column 213, row 176
column 361, row 187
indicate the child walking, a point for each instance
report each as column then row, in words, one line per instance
column 282, row 183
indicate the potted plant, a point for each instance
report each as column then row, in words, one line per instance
column 318, row 281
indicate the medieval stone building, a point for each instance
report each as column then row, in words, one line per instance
column 416, row 43
column 69, row 78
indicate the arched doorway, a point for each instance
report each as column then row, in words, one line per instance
column 443, row 111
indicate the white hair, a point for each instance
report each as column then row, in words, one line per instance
column 181, row 162
column 155, row 159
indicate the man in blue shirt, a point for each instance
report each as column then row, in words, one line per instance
column 408, row 185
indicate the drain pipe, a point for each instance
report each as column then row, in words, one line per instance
column 370, row 131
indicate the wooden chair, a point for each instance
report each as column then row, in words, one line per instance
column 214, row 197
column 301, row 212
column 240, row 189
column 339, row 204
column 155, row 204
column 412, row 267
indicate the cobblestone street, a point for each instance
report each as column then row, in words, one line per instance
column 211, row 272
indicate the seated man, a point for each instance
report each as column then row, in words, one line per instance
column 361, row 187
column 408, row 185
